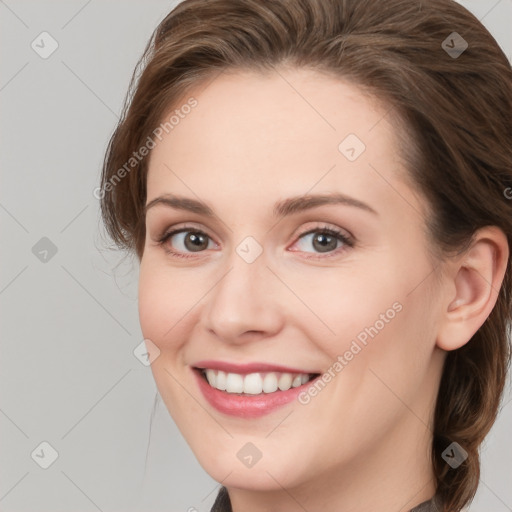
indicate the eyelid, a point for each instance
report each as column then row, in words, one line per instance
column 179, row 228
column 325, row 226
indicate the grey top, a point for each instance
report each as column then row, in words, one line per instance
column 223, row 504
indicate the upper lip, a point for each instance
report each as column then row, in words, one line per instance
column 247, row 367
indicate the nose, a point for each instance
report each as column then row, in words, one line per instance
column 245, row 304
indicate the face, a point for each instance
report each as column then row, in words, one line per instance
column 286, row 263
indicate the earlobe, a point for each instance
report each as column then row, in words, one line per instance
column 477, row 278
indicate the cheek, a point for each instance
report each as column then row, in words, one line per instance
column 162, row 301
column 379, row 317
column 393, row 337
column 151, row 298
column 354, row 303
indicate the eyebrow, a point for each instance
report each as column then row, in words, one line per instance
column 286, row 207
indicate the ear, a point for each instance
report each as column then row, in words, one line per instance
column 475, row 280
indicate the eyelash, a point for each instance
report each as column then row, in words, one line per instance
column 347, row 241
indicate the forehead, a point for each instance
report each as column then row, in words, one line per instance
column 290, row 130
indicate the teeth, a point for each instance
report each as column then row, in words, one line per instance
column 255, row 383
column 234, row 383
column 270, row 383
column 285, row 381
column 296, row 382
column 211, row 377
column 220, row 383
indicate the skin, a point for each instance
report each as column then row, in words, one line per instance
column 251, row 141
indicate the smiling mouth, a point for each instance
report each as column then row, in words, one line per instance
column 257, row 383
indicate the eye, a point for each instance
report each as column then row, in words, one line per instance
column 185, row 239
column 324, row 240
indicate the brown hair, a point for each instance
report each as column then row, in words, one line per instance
column 457, row 110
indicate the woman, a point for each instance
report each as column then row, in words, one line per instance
column 318, row 193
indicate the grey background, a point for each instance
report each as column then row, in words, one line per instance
column 70, row 324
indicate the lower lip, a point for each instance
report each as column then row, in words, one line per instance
column 246, row 406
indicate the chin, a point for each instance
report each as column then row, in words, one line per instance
column 273, row 471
